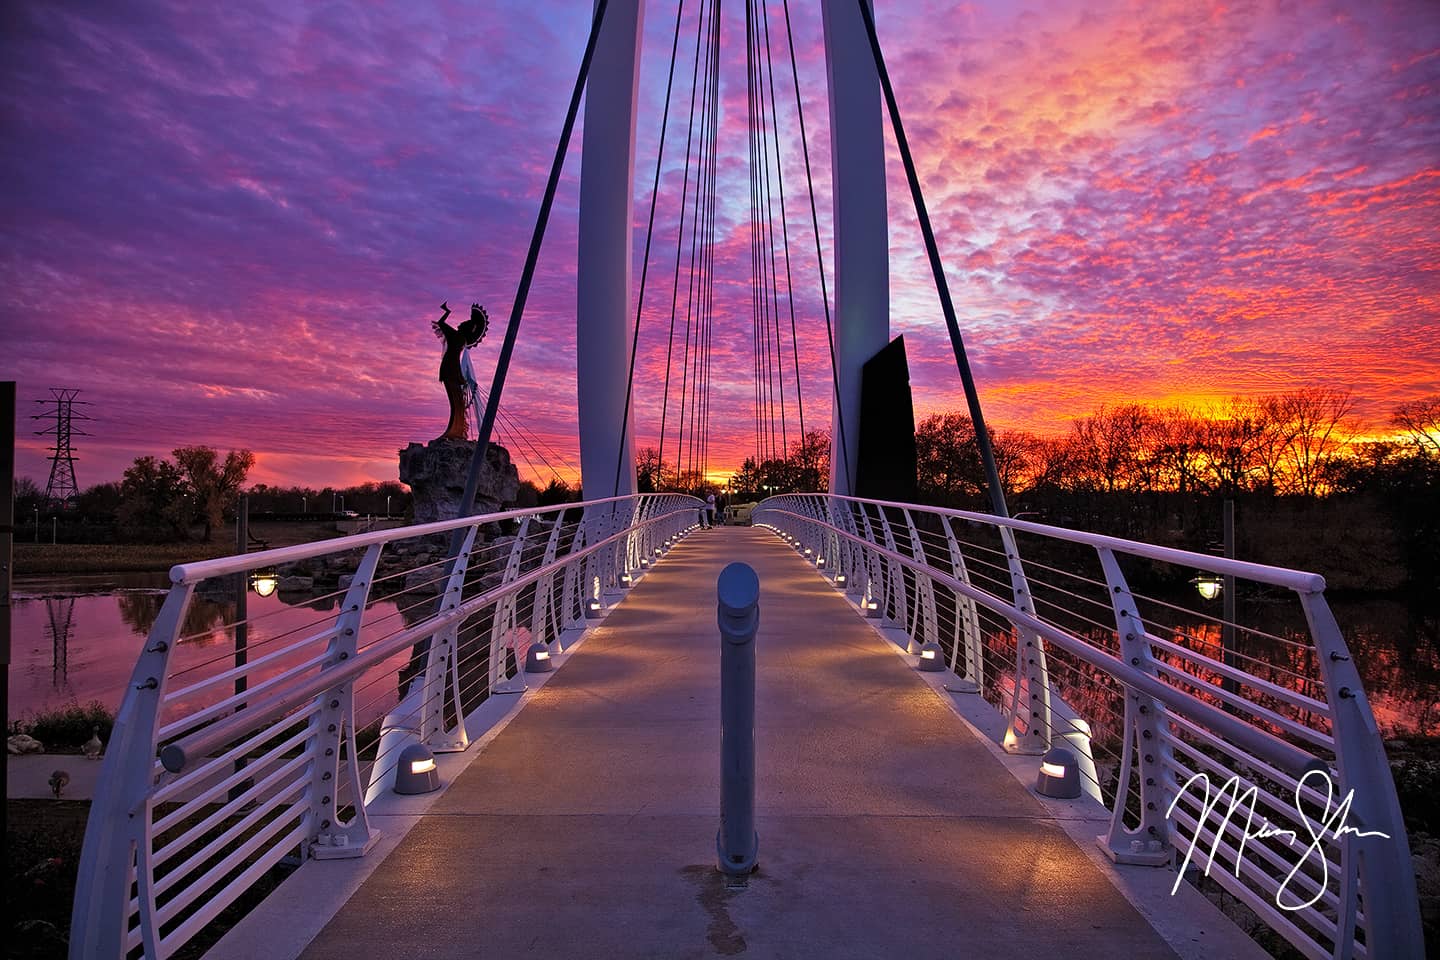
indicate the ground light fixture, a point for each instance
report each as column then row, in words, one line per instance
column 819, row 561
column 930, row 658
column 416, row 773
column 872, row 607
column 592, row 608
column 1059, row 775
column 537, row 659
column 626, row 580
column 839, row 579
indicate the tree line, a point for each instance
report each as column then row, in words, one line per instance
column 1302, row 443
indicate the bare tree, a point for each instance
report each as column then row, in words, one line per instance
column 650, row 471
column 1112, row 446
column 1313, row 424
column 1179, row 449
column 1420, row 419
column 947, row 459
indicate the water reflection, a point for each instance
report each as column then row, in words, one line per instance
column 77, row 639
column 61, row 611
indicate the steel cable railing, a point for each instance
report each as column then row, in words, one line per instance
column 218, row 770
column 1179, row 724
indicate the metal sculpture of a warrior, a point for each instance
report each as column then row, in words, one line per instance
column 456, row 339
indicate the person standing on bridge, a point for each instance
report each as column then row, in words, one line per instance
column 710, row 510
column 456, row 339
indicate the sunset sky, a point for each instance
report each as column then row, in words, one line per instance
column 231, row 224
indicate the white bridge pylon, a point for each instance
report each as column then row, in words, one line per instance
column 605, row 323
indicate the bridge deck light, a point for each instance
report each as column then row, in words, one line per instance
column 872, row 607
column 537, row 659
column 626, row 579
column 1059, row 775
column 592, row 609
column 930, row 659
column 416, row 773
column 819, row 561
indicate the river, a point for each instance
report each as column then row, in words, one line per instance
column 76, row 639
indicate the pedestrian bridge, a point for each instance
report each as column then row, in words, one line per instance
column 897, row 803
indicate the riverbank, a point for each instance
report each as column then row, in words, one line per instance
column 40, row 559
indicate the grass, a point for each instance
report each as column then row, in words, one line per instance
column 42, row 840
column 65, row 729
column 43, row 558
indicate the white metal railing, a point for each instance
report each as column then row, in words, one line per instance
column 223, row 763
column 1156, row 696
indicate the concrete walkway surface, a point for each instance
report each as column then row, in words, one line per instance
column 587, row 827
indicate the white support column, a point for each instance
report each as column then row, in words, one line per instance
column 862, row 255
column 603, row 315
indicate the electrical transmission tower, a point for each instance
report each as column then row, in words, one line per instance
column 61, row 489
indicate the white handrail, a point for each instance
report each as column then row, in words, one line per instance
column 1267, row 728
column 277, row 761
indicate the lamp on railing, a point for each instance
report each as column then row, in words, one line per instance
column 416, row 773
column 1209, row 585
column 264, row 582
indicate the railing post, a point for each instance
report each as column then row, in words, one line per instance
column 1031, row 672
column 333, row 731
column 502, row 624
column 892, row 583
column 855, row 575
column 1144, row 723
column 924, row 589
column 443, row 660
column 119, row 824
column 871, row 561
column 1386, row 873
column 738, row 614
column 544, row 627
column 966, row 629
column 572, row 589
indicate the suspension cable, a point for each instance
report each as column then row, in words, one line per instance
column 707, row 96
column 819, row 254
column 522, row 294
column 768, row 231
column 708, row 299
column 972, row 398
column 645, row 260
column 680, row 232
column 784, row 220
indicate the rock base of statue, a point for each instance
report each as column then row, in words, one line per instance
column 436, row 474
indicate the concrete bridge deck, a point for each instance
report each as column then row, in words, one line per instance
column 586, row 828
